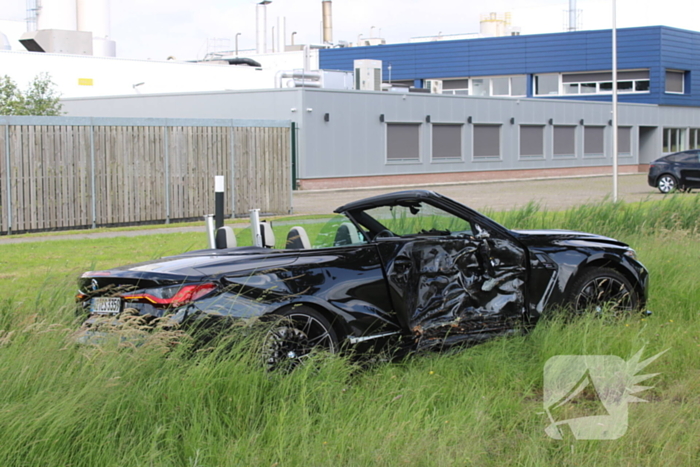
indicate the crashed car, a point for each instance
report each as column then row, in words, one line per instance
column 412, row 268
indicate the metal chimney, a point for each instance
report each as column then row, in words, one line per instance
column 327, row 22
column 572, row 15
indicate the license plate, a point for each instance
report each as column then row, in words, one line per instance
column 105, row 306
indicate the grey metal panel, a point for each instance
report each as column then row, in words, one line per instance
column 487, row 140
column 532, row 140
column 403, row 141
column 674, row 81
column 564, row 143
column 593, row 140
column 446, row 141
column 624, row 140
column 352, row 142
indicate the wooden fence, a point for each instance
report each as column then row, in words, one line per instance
column 64, row 172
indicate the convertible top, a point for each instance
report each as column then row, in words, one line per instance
column 389, row 199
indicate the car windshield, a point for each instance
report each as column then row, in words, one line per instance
column 418, row 219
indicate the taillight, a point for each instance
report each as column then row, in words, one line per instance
column 172, row 296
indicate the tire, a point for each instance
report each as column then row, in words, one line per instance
column 667, row 183
column 599, row 288
column 300, row 331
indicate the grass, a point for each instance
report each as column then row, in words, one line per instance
column 117, row 405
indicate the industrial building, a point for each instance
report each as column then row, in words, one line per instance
column 444, row 109
column 499, row 107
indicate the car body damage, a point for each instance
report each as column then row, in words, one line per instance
column 411, row 264
column 454, row 287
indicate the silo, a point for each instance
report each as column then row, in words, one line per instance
column 57, row 14
column 93, row 16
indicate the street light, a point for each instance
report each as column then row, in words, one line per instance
column 614, row 97
column 236, row 39
column 293, row 34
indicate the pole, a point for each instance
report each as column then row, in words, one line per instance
column 255, row 227
column 93, row 191
column 8, row 202
column 219, row 201
column 614, row 97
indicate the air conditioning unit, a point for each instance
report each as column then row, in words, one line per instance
column 368, row 75
column 435, row 86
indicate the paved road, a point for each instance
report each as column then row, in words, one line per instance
column 550, row 193
column 559, row 193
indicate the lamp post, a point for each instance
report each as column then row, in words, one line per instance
column 614, row 97
column 236, row 40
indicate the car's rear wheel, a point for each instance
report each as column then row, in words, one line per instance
column 299, row 332
column 667, row 183
column 601, row 289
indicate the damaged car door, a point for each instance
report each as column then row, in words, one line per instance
column 450, row 278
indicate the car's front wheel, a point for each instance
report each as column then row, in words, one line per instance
column 667, row 183
column 603, row 288
column 299, row 331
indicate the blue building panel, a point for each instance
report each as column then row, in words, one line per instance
column 655, row 48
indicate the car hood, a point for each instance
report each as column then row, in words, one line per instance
column 540, row 237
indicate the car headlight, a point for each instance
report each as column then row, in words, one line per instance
column 631, row 253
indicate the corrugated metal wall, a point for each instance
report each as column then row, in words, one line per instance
column 655, row 48
column 352, row 143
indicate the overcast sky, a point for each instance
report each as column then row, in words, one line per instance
column 187, row 29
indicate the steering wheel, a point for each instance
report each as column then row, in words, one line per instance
column 386, row 233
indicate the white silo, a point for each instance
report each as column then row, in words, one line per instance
column 93, row 16
column 57, row 14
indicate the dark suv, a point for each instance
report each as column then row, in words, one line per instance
column 677, row 171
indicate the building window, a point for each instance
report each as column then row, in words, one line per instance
column 564, row 144
column 532, row 141
column 487, row 141
column 447, row 141
column 593, row 141
column 624, row 140
column 403, row 141
column 456, row 86
column 546, row 85
column 694, row 138
column 481, row 86
column 674, row 139
column 629, row 81
column 674, row 81
column 513, row 86
column 601, row 82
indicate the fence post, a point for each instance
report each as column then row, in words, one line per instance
column 232, row 145
column 9, row 179
column 167, row 173
column 92, row 176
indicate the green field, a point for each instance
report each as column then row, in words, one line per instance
column 119, row 405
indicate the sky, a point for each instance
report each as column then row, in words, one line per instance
column 187, row 29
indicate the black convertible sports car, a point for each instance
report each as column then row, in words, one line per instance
column 413, row 267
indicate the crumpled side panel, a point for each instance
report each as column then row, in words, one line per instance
column 458, row 285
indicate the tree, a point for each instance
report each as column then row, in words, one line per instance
column 41, row 98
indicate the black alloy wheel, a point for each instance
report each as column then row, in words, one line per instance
column 667, row 183
column 299, row 331
column 603, row 288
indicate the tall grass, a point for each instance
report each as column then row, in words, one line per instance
column 121, row 405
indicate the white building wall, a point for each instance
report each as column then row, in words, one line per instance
column 85, row 76
column 115, row 76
